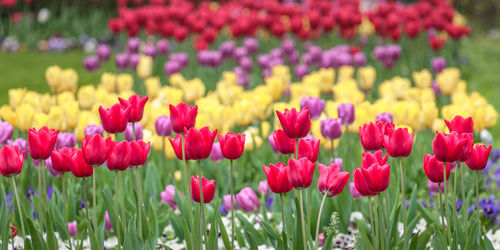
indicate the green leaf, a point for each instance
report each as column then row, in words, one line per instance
column 239, row 238
column 112, row 211
column 474, row 235
column 328, row 241
column 36, row 240
column 51, row 237
column 438, row 241
column 428, row 216
column 271, row 234
column 212, row 236
column 251, row 240
column 93, row 241
column 364, row 231
column 223, row 233
column 256, row 236
column 393, row 229
column 189, row 244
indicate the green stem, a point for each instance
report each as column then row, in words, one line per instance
column 117, row 227
column 462, row 177
column 372, row 222
column 64, row 194
column 403, row 207
column 477, row 196
column 202, row 209
column 187, row 189
column 283, row 232
column 319, row 221
column 44, row 181
column 455, row 178
column 377, row 226
column 380, row 214
column 20, row 211
column 333, row 149
column 85, row 201
column 442, row 208
column 302, row 219
column 445, row 199
column 94, row 200
column 139, row 197
column 232, row 205
column 122, row 197
column 40, row 194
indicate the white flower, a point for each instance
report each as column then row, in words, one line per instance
column 486, row 137
column 43, row 15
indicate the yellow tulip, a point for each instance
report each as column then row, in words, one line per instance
column 193, row 89
column 422, row 79
column 407, row 113
column 331, row 109
column 33, row 98
column 40, row 120
column 71, row 114
column 176, row 80
column 366, row 27
column 252, row 141
column 297, row 91
column 16, row 97
column 345, row 73
column 145, row 67
column 125, row 82
column 276, row 86
column 485, row 117
column 170, row 154
column 440, row 126
column 244, row 114
column 229, row 77
column 65, row 97
column 53, row 77
column 108, row 82
column 170, row 95
column 56, row 118
column 447, row 80
column 263, row 106
column 366, row 77
column 282, row 72
column 265, row 129
column 24, row 116
column 448, row 112
column 68, row 81
column 86, row 96
column 46, row 103
column 153, row 86
column 177, row 174
column 104, row 98
column 8, row 114
column 428, row 114
column 347, row 91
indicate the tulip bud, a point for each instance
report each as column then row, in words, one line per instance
column 129, row 132
column 227, row 202
column 6, row 131
column 107, row 225
column 247, row 200
column 167, row 196
column 263, row 187
column 163, row 126
column 72, row 228
column 208, row 189
column 346, row 113
column 216, row 153
column 11, row 161
column 331, row 128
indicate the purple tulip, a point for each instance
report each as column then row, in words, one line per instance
column 181, row 58
column 394, row 51
column 121, row 61
column 276, row 53
column 359, row 59
column 216, row 153
column 242, row 77
column 94, row 129
column 72, row 228
column 240, row 53
column 331, row 128
column 91, row 63
column 171, row 67
column 162, row 47
column 354, row 192
column 251, row 45
column 248, row 200
column 263, row 60
column 435, row 87
column 150, row 50
column 301, row 70
column 438, row 64
column 270, row 139
column 52, row 171
column 314, row 104
column 293, row 58
column 133, row 45
column 246, row 64
column 163, row 125
column 168, row 196
column 108, row 225
column 263, row 187
column 20, row 143
column 308, row 60
column 227, row 202
column 6, row 131
column 133, row 60
column 129, row 133
column 227, row 48
column 288, row 46
column 103, row 52
column 337, row 161
column 65, row 139
column 346, row 113
column 315, row 52
column 384, row 117
column 434, row 187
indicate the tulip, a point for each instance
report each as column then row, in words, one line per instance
column 371, row 137
column 11, row 160
column 65, row 140
column 227, row 202
column 168, row 196
column 354, row 192
column 52, row 171
column 277, row 178
column 450, row 147
column 331, row 128
column 139, row 152
column 346, row 113
column 6, row 131
column 163, row 126
column 208, row 189
column 121, row 61
column 314, row 104
column 398, row 143
column 61, row 159
column 94, row 129
column 247, row 200
column 460, row 125
column 176, row 143
column 79, row 167
column 271, row 141
column 216, row 153
column 300, row 172
column 72, row 228
column 129, row 132
column 434, row 187
column 309, row 148
column 384, row 117
column 361, row 184
column 199, row 143
column 479, row 157
column 114, row 119
column 263, row 187
column 182, row 117
column 295, row 124
column 163, row 46
column 377, row 177
column 331, row 180
column 103, row 52
column 232, row 145
column 95, row 149
column 91, row 63
column 19, row 142
column 283, row 143
column 368, row 159
column 119, row 156
column 107, row 224
column 433, row 168
column 135, row 104
column 438, row 64
column 41, row 142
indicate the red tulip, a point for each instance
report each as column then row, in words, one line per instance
column 466, row 151
column 448, row 147
column 14, row 231
column 371, row 137
column 182, row 117
column 119, row 155
column 139, row 152
column 300, row 172
column 309, row 148
column 460, row 125
column 95, row 149
column 177, row 146
column 208, row 187
column 284, row 144
column 199, row 143
column 295, row 124
column 433, row 168
column 331, row 179
column 41, row 142
column 62, row 159
column 136, row 105
column 369, row 159
column 436, row 42
column 114, row 119
column 79, row 167
column 361, row 184
column 11, row 160
column 377, row 177
column 386, row 128
column 232, row 145
column 277, row 178
column 399, row 142
column 479, row 157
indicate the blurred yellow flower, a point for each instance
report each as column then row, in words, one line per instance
column 46, row 103
column 153, row 87
column 68, row 81
column 447, row 80
column 24, row 116
column 108, row 82
column 193, row 89
column 8, row 114
column 422, row 79
column 71, row 114
column 86, row 96
column 56, row 118
column 53, row 75
column 345, row 73
column 484, row 117
column 125, row 82
column 366, row 77
column 16, row 97
column 145, row 67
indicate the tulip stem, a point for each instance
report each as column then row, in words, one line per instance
column 116, row 227
column 139, row 197
column 445, row 200
column 455, row 191
column 20, row 211
column 302, row 219
column 85, row 200
column 65, row 196
column 442, row 208
column 372, row 224
column 377, row 226
column 283, row 232
column 232, row 205
column 94, row 200
column 122, row 197
column 462, row 177
column 44, row 181
column 187, row 174
column 202, row 209
column 477, row 197
column 319, row 221
column 380, row 213
column 333, row 149
column 403, row 200
column 40, row 205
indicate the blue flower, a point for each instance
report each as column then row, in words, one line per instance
column 31, row 192
column 269, row 202
column 490, row 200
column 223, row 210
column 50, row 192
column 490, row 210
column 82, row 204
column 495, row 155
column 458, row 204
column 423, row 203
